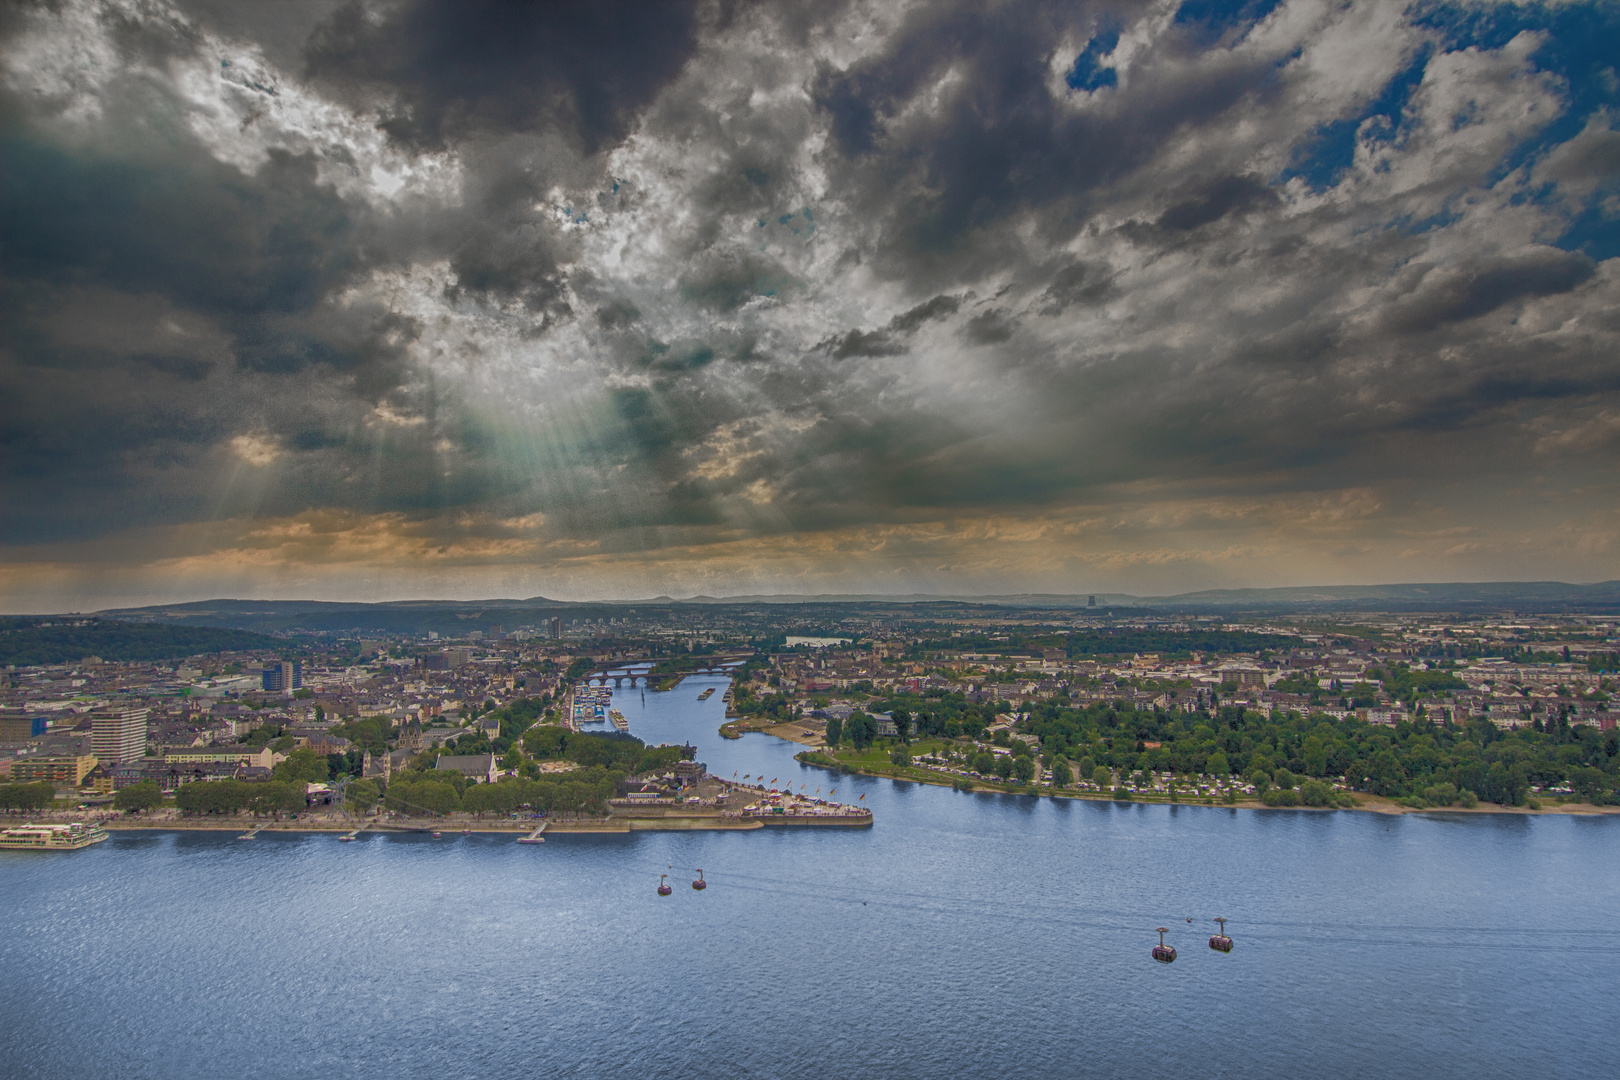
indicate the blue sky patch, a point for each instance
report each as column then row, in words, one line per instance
column 1088, row 72
column 1581, row 45
column 1325, row 160
column 1211, row 21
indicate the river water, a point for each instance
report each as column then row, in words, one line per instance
column 964, row 935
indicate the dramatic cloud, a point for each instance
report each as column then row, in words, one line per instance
column 391, row 297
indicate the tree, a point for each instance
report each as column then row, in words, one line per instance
column 1588, row 782
column 861, row 730
column 1387, row 775
column 35, row 796
column 1024, row 769
column 1315, row 793
column 276, row 797
column 984, row 763
column 546, row 741
column 1315, row 755
column 1060, row 771
column 213, row 796
column 1217, row 765
column 1101, row 776
column 304, row 766
column 138, row 797
column 425, row 796
column 899, row 756
column 835, row 730
column 1004, row 766
column 902, row 724
column 360, row 795
column 1283, row 778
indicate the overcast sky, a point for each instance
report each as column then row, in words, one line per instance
column 383, row 299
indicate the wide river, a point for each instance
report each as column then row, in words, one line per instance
column 962, row 936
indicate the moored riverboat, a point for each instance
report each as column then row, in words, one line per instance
column 69, row 837
column 849, row 818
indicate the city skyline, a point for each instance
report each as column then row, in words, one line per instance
column 376, row 301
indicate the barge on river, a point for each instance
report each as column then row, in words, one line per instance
column 69, row 837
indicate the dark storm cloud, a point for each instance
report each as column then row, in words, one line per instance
column 940, row 307
column 780, row 268
column 1228, row 195
column 864, row 343
column 891, row 341
column 1077, row 283
column 490, row 66
column 988, row 328
column 1001, row 143
column 179, row 224
column 96, row 246
column 1472, row 291
column 162, row 302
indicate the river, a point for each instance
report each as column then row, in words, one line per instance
column 964, row 935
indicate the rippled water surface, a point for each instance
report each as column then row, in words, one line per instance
column 962, row 936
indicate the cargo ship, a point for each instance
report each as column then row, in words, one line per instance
column 68, row 837
column 706, row 694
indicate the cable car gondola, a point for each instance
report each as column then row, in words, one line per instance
column 1163, row 953
column 700, row 884
column 1220, row 942
column 663, row 885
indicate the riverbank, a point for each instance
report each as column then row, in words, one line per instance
column 789, row 732
column 169, row 822
column 1371, row 803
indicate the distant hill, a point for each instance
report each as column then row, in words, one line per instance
column 1440, row 596
column 417, row 617
column 411, row 617
column 52, row 640
column 1436, row 596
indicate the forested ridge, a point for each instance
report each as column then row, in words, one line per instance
column 30, row 641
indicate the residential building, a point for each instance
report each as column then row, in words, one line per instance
column 117, row 735
column 235, row 756
column 63, row 770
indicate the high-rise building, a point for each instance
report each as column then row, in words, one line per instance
column 556, row 628
column 118, row 735
column 284, row 675
column 17, row 725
